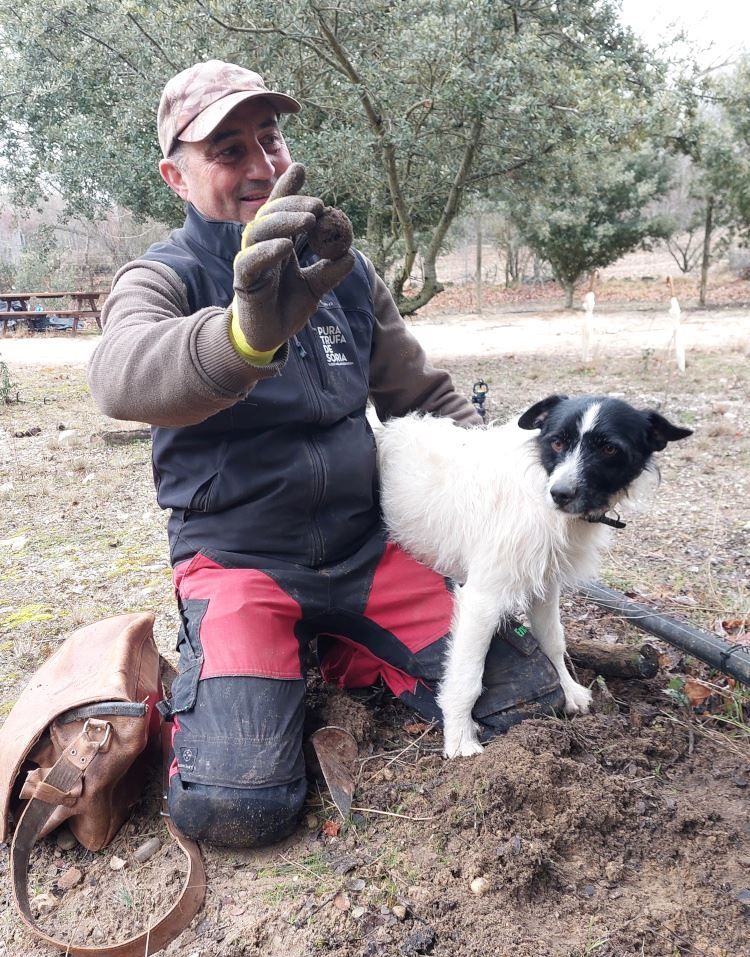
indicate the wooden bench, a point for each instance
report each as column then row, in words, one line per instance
column 29, row 316
column 85, row 303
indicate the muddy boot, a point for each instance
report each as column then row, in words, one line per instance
column 519, row 682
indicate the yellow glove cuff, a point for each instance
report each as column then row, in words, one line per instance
column 243, row 347
column 236, row 335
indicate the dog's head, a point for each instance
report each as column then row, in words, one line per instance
column 594, row 447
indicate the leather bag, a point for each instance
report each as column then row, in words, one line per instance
column 77, row 747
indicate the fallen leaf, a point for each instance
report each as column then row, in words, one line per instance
column 341, row 901
column 696, row 691
column 684, row 600
column 417, row 727
column 331, row 828
column 734, row 628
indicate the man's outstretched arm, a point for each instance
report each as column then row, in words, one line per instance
column 157, row 364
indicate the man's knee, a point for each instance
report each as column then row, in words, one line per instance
column 239, row 771
column 236, row 817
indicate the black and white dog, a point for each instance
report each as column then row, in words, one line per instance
column 512, row 512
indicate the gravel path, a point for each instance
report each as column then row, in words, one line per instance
column 491, row 334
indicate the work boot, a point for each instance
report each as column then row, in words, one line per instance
column 519, row 682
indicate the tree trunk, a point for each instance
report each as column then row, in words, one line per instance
column 375, row 243
column 537, row 270
column 512, row 263
column 706, row 262
column 478, row 278
column 379, row 123
column 430, row 288
column 431, row 285
column 569, row 289
column 517, row 265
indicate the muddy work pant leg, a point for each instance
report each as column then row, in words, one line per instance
column 238, row 775
column 401, row 636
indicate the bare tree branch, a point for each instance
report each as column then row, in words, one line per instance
column 75, row 29
column 300, row 38
column 375, row 119
column 151, row 40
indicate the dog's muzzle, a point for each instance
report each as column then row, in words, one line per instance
column 563, row 494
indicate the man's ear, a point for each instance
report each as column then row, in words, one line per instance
column 534, row 417
column 661, row 431
column 174, row 178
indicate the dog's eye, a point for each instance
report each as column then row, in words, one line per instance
column 557, row 445
column 609, row 450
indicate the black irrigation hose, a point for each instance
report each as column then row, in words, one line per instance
column 733, row 660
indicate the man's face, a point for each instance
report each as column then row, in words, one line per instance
column 230, row 174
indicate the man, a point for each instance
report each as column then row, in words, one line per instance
column 254, row 367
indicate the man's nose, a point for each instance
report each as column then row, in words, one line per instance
column 258, row 165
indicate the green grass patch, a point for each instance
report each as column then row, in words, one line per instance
column 26, row 615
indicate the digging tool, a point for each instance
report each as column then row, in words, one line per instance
column 337, row 751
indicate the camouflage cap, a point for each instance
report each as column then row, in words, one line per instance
column 195, row 101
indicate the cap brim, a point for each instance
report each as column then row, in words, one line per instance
column 206, row 122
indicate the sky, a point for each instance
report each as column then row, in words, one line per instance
column 723, row 23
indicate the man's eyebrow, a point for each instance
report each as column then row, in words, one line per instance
column 227, row 134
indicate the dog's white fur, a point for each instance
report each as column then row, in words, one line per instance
column 474, row 505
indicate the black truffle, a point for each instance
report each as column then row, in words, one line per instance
column 332, row 234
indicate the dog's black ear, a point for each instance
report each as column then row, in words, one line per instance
column 661, row 431
column 534, row 417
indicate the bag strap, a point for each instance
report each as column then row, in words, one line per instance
column 65, row 775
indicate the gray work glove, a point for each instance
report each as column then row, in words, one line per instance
column 274, row 296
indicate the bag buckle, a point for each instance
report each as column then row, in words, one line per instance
column 97, row 724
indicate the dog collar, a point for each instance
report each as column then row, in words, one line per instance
column 605, row 520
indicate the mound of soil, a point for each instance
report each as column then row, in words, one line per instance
column 621, row 832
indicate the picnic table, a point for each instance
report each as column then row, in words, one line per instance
column 85, row 305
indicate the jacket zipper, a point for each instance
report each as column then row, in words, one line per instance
column 319, row 475
column 316, row 352
column 317, row 461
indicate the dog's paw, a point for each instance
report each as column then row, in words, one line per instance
column 577, row 698
column 461, row 741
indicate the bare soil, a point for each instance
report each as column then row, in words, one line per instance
column 623, row 832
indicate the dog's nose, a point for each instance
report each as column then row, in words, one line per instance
column 562, row 494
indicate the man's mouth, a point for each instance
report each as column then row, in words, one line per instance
column 256, row 201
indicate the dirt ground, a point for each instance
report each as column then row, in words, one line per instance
column 623, row 832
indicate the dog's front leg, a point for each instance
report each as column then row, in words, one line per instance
column 475, row 617
column 544, row 617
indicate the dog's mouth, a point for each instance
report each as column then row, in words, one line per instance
column 594, row 515
column 576, row 508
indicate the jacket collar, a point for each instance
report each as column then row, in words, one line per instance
column 220, row 237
